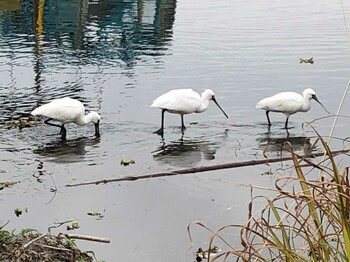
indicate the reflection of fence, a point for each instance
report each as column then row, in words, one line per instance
column 11, row 5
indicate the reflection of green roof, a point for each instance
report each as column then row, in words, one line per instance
column 10, row 5
column 86, row 32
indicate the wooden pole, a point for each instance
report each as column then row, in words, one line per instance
column 84, row 237
column 204, row 168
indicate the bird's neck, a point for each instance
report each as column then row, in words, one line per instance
column 306, row 105
column 203, row 106
column 83, row 120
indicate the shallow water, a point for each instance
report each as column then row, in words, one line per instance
column 117, row 57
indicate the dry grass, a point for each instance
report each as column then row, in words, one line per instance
column 308, row 219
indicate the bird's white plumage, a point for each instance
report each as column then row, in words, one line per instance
column 288, row 102
column 184, row 101
column 179, row 101
column 65, row 110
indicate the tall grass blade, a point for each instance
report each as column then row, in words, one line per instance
column 311, row 206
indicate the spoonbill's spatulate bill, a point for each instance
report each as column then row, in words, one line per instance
column 67, row 110
column 288, row 103
column 182, row 102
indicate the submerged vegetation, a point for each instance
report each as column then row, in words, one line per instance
column 19, row 123
column 308, row 219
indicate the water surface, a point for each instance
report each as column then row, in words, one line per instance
column 117, row 57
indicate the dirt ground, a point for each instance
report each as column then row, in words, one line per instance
column 32, row 246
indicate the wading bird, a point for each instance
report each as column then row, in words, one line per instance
column 288, row 103
column 67, row 110
column 182, row 102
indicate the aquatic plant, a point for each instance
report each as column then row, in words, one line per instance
column 307, row 220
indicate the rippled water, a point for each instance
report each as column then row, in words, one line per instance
column 117, row 57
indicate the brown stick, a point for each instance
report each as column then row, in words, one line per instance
column 84, row 237
column 204, row 169
column 57, row 248
column 33, row 240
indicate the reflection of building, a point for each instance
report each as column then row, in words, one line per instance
column 158, row 15
column 53, row 36
column 112, row 29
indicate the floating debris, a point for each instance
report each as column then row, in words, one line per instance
column 200, row 254
column 98, row 215
column 19, row 123
column 19, row 211
column 7, row 184
column 58, row 224
column 127, row 162
column 74, row 225
column 267, row 173
column 306, row 60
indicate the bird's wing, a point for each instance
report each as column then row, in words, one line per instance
column 286, row 102
column 63, row 109
column 179, row 100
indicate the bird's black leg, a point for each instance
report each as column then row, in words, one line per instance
column 286, row 124
column 268, row 118
column 51, row 124
column 160, row 131
column 63, row 132
column 287, row 133
column 182, row 123
column 97, row 129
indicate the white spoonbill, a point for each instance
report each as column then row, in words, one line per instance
column 182, row 102
column 67, row 110
column 288, row 103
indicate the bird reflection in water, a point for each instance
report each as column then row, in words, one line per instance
column 184, row 153
column 282, row 145
column 69, row 151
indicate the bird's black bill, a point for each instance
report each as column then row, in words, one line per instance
column 318, row 101
column 216, row 102
column 97, row 129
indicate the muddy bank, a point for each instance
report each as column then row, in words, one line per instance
column 30, row 245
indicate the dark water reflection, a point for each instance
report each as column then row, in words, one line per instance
column 185, row 153
column 283, row 144
column 69, row 151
